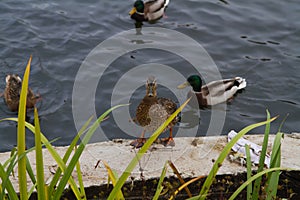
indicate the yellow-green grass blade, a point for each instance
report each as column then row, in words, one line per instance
column 223, row 155
column 249, row 181
column 79, row 151
column 53, row 153
column 9, row 165
column 273, row 178
column 141, row 152
column 29, row 170
column 113, row 177
column 21, row 135
column 8, row 185
column 32, row 190
column 80, row 181
column 13, row 153
column 249, row 171
column 67, row 155
column 39, row 158
column 160, row 187
column 262, row 158
column 13, row 160
column 5, row 177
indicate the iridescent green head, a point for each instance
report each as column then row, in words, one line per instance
column 194, row 81
column 139, row 5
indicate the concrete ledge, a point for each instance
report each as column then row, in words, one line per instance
column 191, row 156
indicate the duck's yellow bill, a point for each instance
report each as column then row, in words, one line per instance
column 133, row 10
column 183, row 85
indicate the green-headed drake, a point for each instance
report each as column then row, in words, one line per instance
column 12, row 93
column 213, row 93
column 148, row 11
column 152, row 112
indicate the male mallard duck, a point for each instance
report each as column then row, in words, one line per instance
column 12, row 93
column 152, row 112
column 214, row 92
column 149, row 11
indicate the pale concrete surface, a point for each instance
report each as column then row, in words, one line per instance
column 191, row 156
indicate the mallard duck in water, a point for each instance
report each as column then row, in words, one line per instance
column 12, row 93
column 152, row 112
column 148, row 11
column 214, row 92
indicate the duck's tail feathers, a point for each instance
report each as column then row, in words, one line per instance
column 166, row 3
column 240, row 82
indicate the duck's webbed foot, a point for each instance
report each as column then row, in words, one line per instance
column 138, row 143
column 168, row 141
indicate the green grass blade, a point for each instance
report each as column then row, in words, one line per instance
column 9, row 163
column 276, row 150
column 32, row 190
column 53, row 153
column 80, row 181
column 67, row 155
column 223, row 155
column 236, row 193
column 29, row 170
column 141, row 152
column 273, row 178
column 13, row 160
column 249, row 171
column 262, row 158
column 39, row 158
column 79, row 151
column 8, row 185
column 13, row 153
column 21, row 135
column 160, row 187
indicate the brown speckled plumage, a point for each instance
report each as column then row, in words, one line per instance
column 153, row 110
column 12, row 93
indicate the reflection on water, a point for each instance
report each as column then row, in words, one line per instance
column 252, row 39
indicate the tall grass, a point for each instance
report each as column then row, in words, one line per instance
column 21, row 134
column 56, row 187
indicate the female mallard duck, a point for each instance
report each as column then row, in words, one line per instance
column 12, row 93
column 149, row 11
column 214, row 92
column 152, row 112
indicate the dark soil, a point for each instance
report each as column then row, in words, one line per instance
column 222, row 188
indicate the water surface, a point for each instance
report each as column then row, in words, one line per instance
column 253, row 39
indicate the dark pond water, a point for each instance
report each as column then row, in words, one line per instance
column 258, row 40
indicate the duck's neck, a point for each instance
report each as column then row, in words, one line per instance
column 196, row 89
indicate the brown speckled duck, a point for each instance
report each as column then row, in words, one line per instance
column 152, row 112
column 214, row 92
column 12, row 93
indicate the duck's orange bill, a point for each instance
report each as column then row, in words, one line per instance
column 133, row 10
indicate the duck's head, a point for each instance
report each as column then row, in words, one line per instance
column 137, row 7
column 194, row 81
column 13, row 81
column 151, row 87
